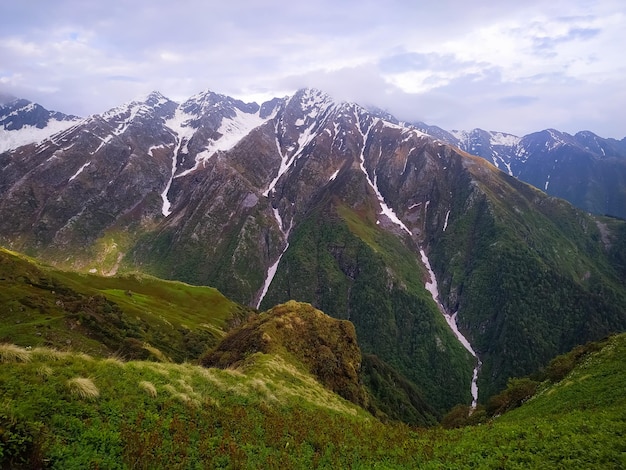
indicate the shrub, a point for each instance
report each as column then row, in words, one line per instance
column 559, row 367
column 516, row 393
column 148, row 387
column 457, row 417
column 83, row 387
column 19, row 442
column 12, row 353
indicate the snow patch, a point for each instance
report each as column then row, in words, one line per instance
column 451, row 320
column 102, row 143
column 271, row 272
column 557, row 141
column 80, row 170
column 406, row 162
column 154, row 147
column 385, row 209
column 333, row 176
column 507, row 165
column 461, row 136
column 232, row 130
column 235, row 129
column 285, row 164
column 289, row 157
column 506, row 140
column 180, row 125
column 10, row 140
column 445, row 224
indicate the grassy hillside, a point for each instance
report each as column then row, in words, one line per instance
column 134, row 316
column 73, row 393
column 577, row 421
column 68, row 410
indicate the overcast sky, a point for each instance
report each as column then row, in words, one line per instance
column 513, row 66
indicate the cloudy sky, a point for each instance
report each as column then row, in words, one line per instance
column 508, row 65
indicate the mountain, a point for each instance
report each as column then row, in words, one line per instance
column 23, row 122
column 585, row 169
column 455, row 275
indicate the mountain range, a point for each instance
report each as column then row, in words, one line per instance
column 23, row 122
column 585, row 169
column 456, row 275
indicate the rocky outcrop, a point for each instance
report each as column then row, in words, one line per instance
column 325, row 347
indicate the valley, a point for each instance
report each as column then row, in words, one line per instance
column 441, row 280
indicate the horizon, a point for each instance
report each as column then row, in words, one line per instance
column 141, row 97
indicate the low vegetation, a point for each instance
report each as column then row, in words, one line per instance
column 268, row 413
column 74, row 397
column 134, row 316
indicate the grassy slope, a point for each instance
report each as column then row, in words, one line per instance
column 325, row 346
column 579, row 422
column 42, row 306
column 269, row 414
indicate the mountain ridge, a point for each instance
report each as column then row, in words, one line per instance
column 324, row 202
column 508, row 152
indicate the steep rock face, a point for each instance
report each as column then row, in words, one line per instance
column 305, row 198
column 69, row 190
column 326, row 347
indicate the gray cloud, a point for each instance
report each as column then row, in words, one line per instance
column 513, row 67
column 546, row 45
column 518, row 100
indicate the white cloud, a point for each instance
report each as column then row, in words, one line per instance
column 453, row 63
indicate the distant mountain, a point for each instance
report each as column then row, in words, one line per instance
column 23, row 122
column 585, row 169
column 305, row 198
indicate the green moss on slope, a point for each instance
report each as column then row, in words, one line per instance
column 134, row 316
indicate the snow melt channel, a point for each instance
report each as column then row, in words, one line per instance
column 180, row 126
column 271, row 272
column 451, row 321
column 385, row 209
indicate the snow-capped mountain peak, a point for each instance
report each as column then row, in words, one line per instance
column 23, row 122
column 503, row 139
